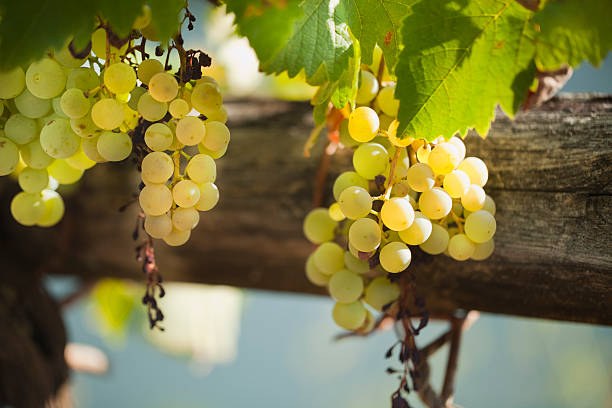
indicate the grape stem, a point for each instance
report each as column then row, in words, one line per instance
column 398, row 151
column 458, row 220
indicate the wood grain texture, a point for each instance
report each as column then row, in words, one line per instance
column 550, row 175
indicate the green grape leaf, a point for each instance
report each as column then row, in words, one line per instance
column 166, row 16
column 121, row 14
column 572, row 31
column 459, row 60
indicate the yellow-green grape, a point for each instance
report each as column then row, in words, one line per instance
column 135, row 95
column 335, row 212
column 58, row 140
column 186, row 193
column 314, row 275
column 368, row 88
column 365, row 235
column 202, row 168
column 489, row 205
column 460, row 247
column 12, row 83
column 74, row 103
column 217, row 136
column 163, row 87
column 148, row 68
column 42, row 122
column 20, row 129
column 456, row 183
column 107, row 114
column 32, row 154
column 9, row 156
column 395, row 257
column 64, row 57
column 54, row 209
column 355, row 202
column 418, row 232
column 348, row 179
column 397, row 214
column 157, row 168
column 457, row 208
column 150, row 109
column 459, row 145
column 190, row 131
column 329, row 258
column 355, row 264
column 218, row 115
column 90, row 148
column 483, row 250
column 177, row 238
column 206, row 98
column 27, row 208
column 209, row 197
column 155, row 199
column 423, row 153
column 30, row 106
column 435, row 203
column 144, row 19
column 345, row 137
column 159, row 226
column 63, row 173
column 480, row 226
column 85, row 127
column 33, row 180
column 370, row 160
column 474, row 198
column 345, row 286
column 381, row 292
column 158, row 137
column 114, row 146
column 444, row 158
column 476, row 170
column 98, row 44
column 185, row 218
column 179, row 108
column 84, row 79
column 214, row 154
column 119, row 78
column 80, row 161
column 363, row 124
column 437, row 241
column 45, row 78
column 387, row 102
column 420, row 177
column 318, row 226
column 349, row 316
column 56, row 104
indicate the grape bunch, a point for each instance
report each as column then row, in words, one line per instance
column 402, row 192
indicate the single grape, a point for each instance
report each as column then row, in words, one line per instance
column 119, row 78
column 418, row 232
column 20, row 129
column 355, row 202
column 27, row 208
column 349, row 316
column 365, row 235
column 345, row 286
column 99, row 42
column 335, row 212
column 381, row 292
column 395, row 257
column 107, row 114
column 74, row 103
column 185, row 218
column 157, row 168
column 206, row 97
column 32, row 154
column 63, row 173
column 179, row 108
column 345, row 137
column 114, row 146
column 363, row 124
column 202, row 168
column 12, row 83
column 444, row 158
column 483, row 250
column 314, row 275
column 435, row 203
column 348, row 179
column 318, row 226
column 459, row 145
column 54, row 209
column 387, row 102
column 155, row 199
column 214, row 154
column 368, row 88
column 45, row 78
column 355, row 264
column 489, row 205
column 456, row 183
column 186, row 193
column 437, row 241
column 217, row 136
column 158, row 226
column 135, row 95
column 79, row 160
column 476, row 170
column 85, row 127
column 32, row 107
column 190, row 131
column 150, row 109
column 420, row 177
column 474, row 198
column 163, row 87
column 90, row 148
column 9, row 156
column 56, row 104
column 58, row 140
column 209, row 197
column 370, row 160
column 423, row 153
column 397, row 214
column 148, row 68
column 177, row 238
column 480, row 226
column 33, row 180
column 158, row 137
column 460, row 247
column 85, row 79
column 329, row 257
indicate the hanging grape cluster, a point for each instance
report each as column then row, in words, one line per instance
column 402, row 192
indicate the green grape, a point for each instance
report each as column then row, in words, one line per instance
column 148, row 68
column 489, row 205
column 318, row 226
column 348, row 179
column 190, row 131
column 335, row 212
column 418, row 232
column 459, row 145
column 329, row 258
column 483, row 250
column 214, row 154
column 397, row 214
column 456, row 183
column 157, row 168
column 107, row 114
column 370, row 160
column 158, row 137
column 460, row 247
column 20, row 129
column 159, row 226
column 480, row 226
column 186, row 193
column 27, row 208
column 150, row 109
column 135, row 95
column 474, row 198
column 79, row 160
column 435, row 203
column 423, row 153
column 387, row 102
column 202, row 168
column 395, row 257
column 314, row 275
column 177, row 238
column 90, row 148
column 209, row 197
column 206, row 98
column 363, row 124
column 355, row 202
column 349, row 316
column 56, row 103
column 85, row 127
column 33, row 180
column 355, row 264
column 345, row 286
column 179, row 108
column 12, row 83
column 368, row 88
column 9, row 156
column 58, row 140
column 98, row 45
column 45, row 78
column 163, row 87
column 119, row 78
column 54, row 209
column 476, row 170
column 32, row 107
column 84, row 79
column 437, row 241
column 155, row 199
column 114, row 146
column 345, row 138
column 42, row 122
column 365, row 235
column 74, row 103
column 217, row 135
column 65, row 57
column 185, row 218
column 32, row 154
column 144, row 19
column 217, row 115
column 457, row 208
column 444, row 158
column 381, row 292
column 63, row 173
